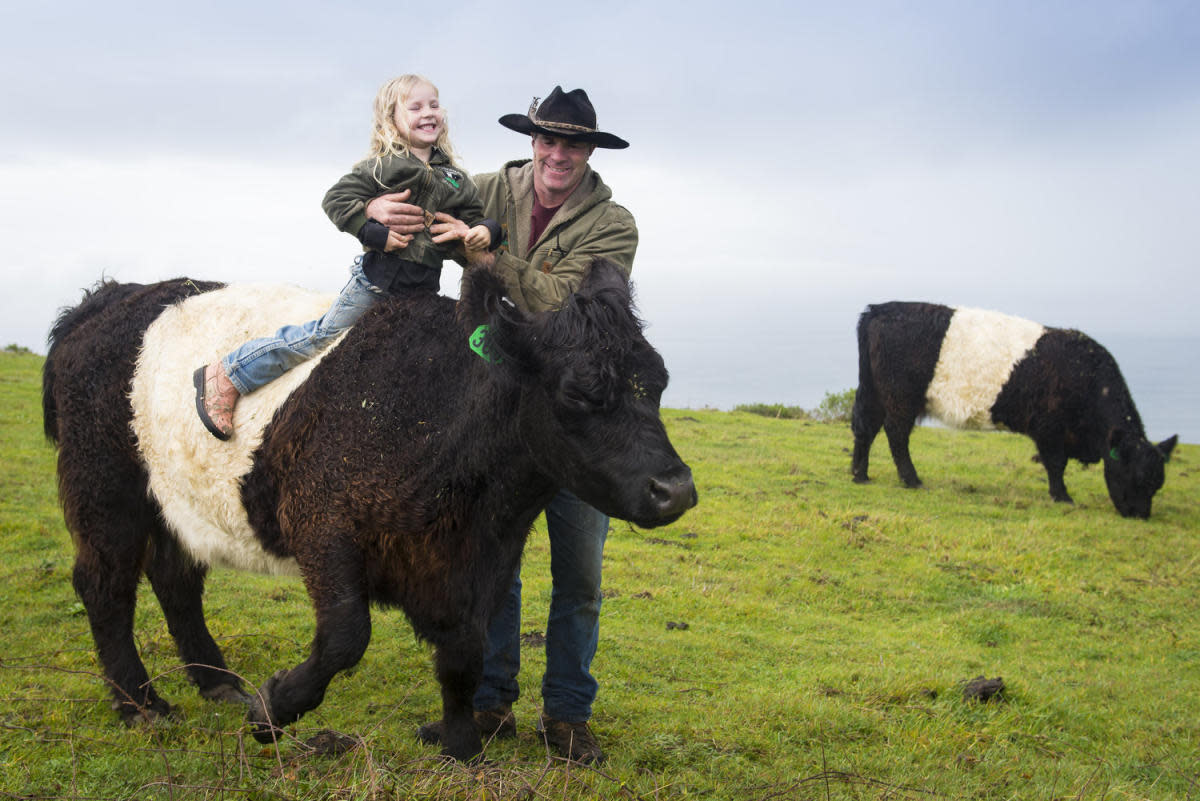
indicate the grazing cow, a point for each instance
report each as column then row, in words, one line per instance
column 402, row 468
column 980, row 369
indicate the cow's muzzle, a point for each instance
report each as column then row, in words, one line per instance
column 671, row 496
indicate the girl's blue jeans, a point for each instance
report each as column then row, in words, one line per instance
column 577, row 533
column 260, row 361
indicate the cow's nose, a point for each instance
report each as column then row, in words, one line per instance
column 674, row 495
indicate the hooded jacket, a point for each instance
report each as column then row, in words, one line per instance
column 436, row 186
column 588, row 224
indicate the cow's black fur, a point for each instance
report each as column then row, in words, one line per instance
column 1066, row 394
column 405, row 471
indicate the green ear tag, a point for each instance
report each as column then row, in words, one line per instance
column 1112, row 454
column 478, row 342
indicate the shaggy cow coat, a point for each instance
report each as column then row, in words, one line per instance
column 979, row 369
column 400, row 468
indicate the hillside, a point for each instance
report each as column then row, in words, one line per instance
column 794, row 636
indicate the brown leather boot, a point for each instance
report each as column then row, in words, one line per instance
column 215, row 398
column 572, row 740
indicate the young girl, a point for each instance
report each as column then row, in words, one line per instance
column 410, row 149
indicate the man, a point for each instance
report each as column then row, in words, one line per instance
column 556, row 215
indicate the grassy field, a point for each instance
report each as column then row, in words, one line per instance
column 796, row 636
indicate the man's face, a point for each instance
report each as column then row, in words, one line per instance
column 558, row 166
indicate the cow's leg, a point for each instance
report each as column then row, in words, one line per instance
column 109, row 550
column 178, row 582
column 865, row 422
column 898, row 430
column 1054, row 459
column 343, row 632
column 459, row 664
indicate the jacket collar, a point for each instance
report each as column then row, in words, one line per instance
column 519, row 177
column 591, row 189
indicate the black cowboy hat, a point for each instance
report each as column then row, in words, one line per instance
column 566, row 114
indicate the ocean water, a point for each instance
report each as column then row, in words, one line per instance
column 799, row 364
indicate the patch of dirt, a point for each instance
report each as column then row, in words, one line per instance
column 328, row 742
column 661, row 541
column 984, row 689
column 853, row 523
column 533, row 639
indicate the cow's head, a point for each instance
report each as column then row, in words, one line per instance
column 590, row 386
column 1133, row 471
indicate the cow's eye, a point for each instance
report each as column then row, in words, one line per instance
column 578, row 398
column 584, row 392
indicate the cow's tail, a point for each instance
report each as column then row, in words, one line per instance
column 864, row 396
column 95, row 300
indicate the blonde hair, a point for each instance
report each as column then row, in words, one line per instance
column 389, row 140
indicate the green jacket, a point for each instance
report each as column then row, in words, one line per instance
column 587, row 225
column 436, row 186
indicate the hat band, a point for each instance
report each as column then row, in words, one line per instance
column 563, row 126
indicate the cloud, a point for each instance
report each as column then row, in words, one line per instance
column 787, row 159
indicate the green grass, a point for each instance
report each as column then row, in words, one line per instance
column 830, row 628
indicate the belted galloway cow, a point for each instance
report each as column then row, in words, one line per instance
column 979, row 369
column 404, row 468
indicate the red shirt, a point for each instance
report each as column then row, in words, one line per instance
column 538, row 221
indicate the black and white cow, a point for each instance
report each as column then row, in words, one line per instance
column 400, row 468
column 979, row 369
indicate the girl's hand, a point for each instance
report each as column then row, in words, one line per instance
column 397, row 241
column 478, row 238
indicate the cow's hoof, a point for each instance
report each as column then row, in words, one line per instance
column 266, row 730
column 432, row 733
column 468, row 755
column 227, row 694
column 467, row 747
column 133, row 715
column 861, row 480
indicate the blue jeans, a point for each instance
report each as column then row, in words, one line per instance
column 577, row 533
column 260, row 361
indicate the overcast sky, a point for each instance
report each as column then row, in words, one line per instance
column 790, row 162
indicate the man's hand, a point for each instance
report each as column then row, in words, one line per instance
column 446, row 228
column 393, row 211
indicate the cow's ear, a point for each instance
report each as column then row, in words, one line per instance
column 1166, row 446
column 605, row 273
column 505, row 334
column 482, row 292
column 513, row 339
column 1116, row 442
